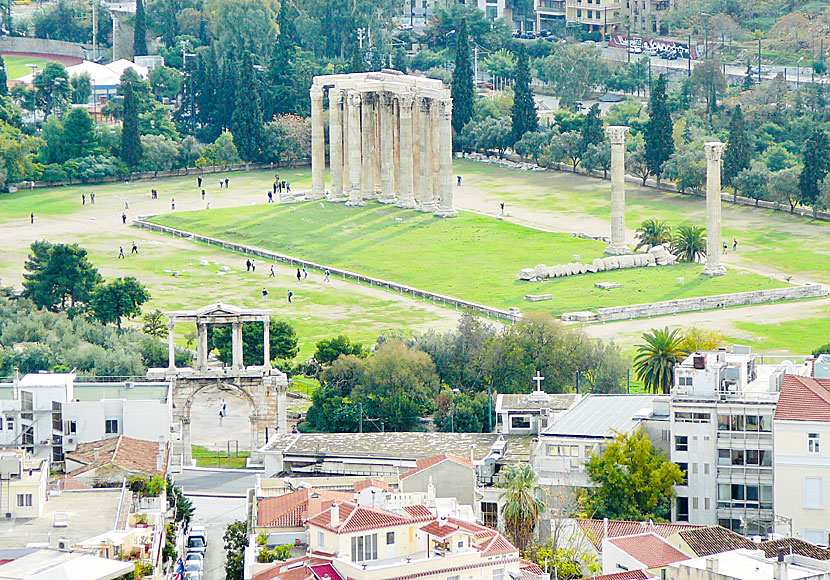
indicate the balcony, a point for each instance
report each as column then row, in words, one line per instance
column 416, row 560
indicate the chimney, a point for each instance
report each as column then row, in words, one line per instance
column 604, row 527
column 335, row 515
column 780, row 570
column 160, row 455
column 712, row 565
column 97, row 453
column 16, row 383
column 430, row 490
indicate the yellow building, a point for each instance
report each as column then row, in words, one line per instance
column 596, row 15
column 23, row 481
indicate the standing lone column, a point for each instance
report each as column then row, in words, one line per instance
column 266, row 343
column 616, row 134
column 406, row 199
column 318, row 146
column 171, row 347
column 355, row 194
column 336, row 144
column 427, row 200
column 367, row 170
column 445, row 207
column 387, row 150
column 714, row 151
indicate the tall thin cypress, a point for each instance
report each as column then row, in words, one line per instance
column 130, row 138
column 462, row 90
column 816, row 158
column 140, row 37
column 4, row 79
column 736, row 156
column 524, row 109
column 658, row 131
column 246, row 122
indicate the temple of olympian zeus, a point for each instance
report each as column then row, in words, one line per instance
column 714, row 152
column 263, row 387
column 390, row 140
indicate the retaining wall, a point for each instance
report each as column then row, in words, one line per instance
column 344, row 274
column 710, row 302
column 42, row 46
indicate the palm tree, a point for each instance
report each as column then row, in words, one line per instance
column 521, row 506
column 689, row 244
column 655, row 360
column 653, row 233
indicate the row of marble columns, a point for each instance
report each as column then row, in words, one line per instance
column 714, row 152
column 390, row 146
column 237, row 361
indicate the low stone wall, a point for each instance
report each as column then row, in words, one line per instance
column 512, row 316
column 42, row 46
column 710, row 302
column 656, row 256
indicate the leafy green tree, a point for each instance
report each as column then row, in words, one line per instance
column 464, row 413
column 785, row 187
column 220, row 152
column 816, row 156
column 522, row 506
column 689, row 243
column 462, row 89
column 80, row 138
column 282, row 341
column 658, row 131
column 166, row 81
column 633, row 480
column 572, row 72
column 823, row 349
column 154, row 325
column 687, row 168
column 242, row 26
column 598, row 156
column 501, row 64
column 328, row 350
column 158, row 153
column 524, row 108
column 130, row 138
column 140, row 30
column 708, row 81
column 738, row 150
column 532, row 145
column 753, row 182
column 4, row 78
column 81, row 88
column 57, row 272
column 591, row 131
column 636, row 159
column 247, row 115
column 53, row 91
column 117, row 299
column 236, row 540
column 568, row 145
column 655, row 360
column 652, row 232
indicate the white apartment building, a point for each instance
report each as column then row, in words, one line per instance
column 48, row 414
column 721, row 410
column 23, row 482
column 801, row 431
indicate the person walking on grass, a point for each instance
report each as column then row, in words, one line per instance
column 305, row 273
column 734, row 244
column 121, row 253
column 135, row 248
column 199, row 182
column 248, row 265
column 227, row 183
column 327, row 275
column 272, row 275
column 459, row 181
column 299, row 275
column 253, row 265
column 173, row 203
column 203, row 195
column 270, row 197
column 264, row 295
column 92, row 198
column 32, row 217
column 124, row 219
column 83, row 199
column 290, row 294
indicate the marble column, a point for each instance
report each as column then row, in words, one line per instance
column 336, row 144
column 396, row 149
column 377, row 175
column 266, row 343
column 201, row 346
column 318, row 146
column 445, row 206
column 416, row 148
column 405, row 152
column 355, row 193
column 427, row 201
column 171, row 346
column 367, row 171
column 387, row 150
column 236, row 345
column 714, row 246
column 616, row 134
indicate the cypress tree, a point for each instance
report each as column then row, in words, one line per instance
column 140, row 37
column 524, row 109
column 591, row 130
column 658, row 131
column 737, row 152
column 246, row 122
column 130, row 138
column 226, row 93
column 4, row 86
column 816, row 167
column 281, row 95
column 462, row 90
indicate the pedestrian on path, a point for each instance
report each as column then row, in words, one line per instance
column 199, row 182
column 124, row 219
column 135, row 248
column 173, row 203
column 272, row 275
column 459, row 181
column 305, row 273
column 734, row 244
column 502, row 208
column 299, row 276
column 248, row 265
column 724, row 247
column 290, row 294
column 121, row 253
column 32, row 218
column 126, row 203
column 264, row 295
column 221, row 184
column 253, row 265
column 227, row 183
column 83, row 199
column 327, row 275
column 270, row 197
column 92, row 198
column 203, row 195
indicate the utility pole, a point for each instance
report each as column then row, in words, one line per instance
column 114, row 28
column 95, row 30
column 629, row 42
column 360, row 33
column 690, row 55
column 475, row 61
column 759, row 61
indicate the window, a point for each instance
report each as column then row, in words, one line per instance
column 737, row 457
column 682, row 509
column 692, row 417
column 498, row 574
column 695, row 503
column 390, row 538
column 705, row 469
column 28, row 435
column 812, row 443
column 490, row 514
column 684, row 381
column 737, row 422
column 813, row 492
column 365, row 548
column 111, row 426
column 70, row 427
column 520, row 422
column 10, row 423
column 563, row 450
column 684, row 467
column 681, row 443
column 694, row 468
column 752, row 423
column 24, row 500
column 57, row 453
column 723, row 422
column 57, row 419
column 321, row 539
column 706, row 503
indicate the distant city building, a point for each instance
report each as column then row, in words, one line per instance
column 23, row 485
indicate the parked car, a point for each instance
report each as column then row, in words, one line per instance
column 198, row 532
column 196, row 544
column 195, row 557
column 192, row 576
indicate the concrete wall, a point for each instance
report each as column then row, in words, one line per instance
column 42, row 46
column 451, row 479
column 710, row 302
column 147, row 420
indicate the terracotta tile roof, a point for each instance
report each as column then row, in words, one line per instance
column 421, row 464
column 649, row 549
column 496, row 546
column 378, row 483
column 290, row 510
column 629, row 575
column 593, row 529
column 298, row 568
column 419, row 512
column 322, row 571
column 714, row 540
column 532, row 567
column 439, row 530
column 794, row 546
column 358, row 518
column 804, row 399
column 124, row 453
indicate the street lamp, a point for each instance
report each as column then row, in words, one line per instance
column 452, row 409
column 798, row 75
column 706, row 41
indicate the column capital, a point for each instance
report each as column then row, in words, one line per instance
column 385, row 98
column 353, row 98
column 335, row 96
column 367, row 97
column 316, row 92
column 405, row 101
column 616, row 134
column 445, row 108
column 424, row 103
column 714, row 150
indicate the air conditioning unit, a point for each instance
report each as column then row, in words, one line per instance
column 64, row 544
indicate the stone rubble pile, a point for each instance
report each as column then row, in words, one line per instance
column 656, row 256
column 482, row 158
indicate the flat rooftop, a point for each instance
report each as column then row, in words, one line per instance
column 156, row 391
column 602, row 415
column 88, row 513
column 743, row 564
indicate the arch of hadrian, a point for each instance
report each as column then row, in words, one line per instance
column 390, row 140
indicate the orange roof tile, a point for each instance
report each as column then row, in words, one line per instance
column 649, row 549
column 419, row 512
column 804, row 399
column 378, row 483
column 629, row 575
column 358, row 518
column 594, row 529
column 714, row 540
column 290, row 510
column 426, row 462
column 125, row 453
column 439, row 530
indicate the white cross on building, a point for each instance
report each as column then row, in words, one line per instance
column 538, row 378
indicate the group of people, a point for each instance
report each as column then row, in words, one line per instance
column 134, row 250
column 91, row 198
column 302, row 274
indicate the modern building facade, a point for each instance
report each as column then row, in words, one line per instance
column 604, row 16
column 23, row 484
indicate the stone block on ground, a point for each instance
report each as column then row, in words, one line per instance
column 581, row 316
column 538, row 297
column 527, row 274
column 599, row 264
column 540, row 271
column 590, row 269
column 626, row 261
column 612, row 263
column 607, row 285
column 650, row 260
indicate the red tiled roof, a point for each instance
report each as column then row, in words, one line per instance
column 794, row 546
column 419, row 512
column 804, row 399
column 497, row 546
column 426, row 462
column 714, row 540
column 594, row 529
column 629, row 575
column 290, row 510
column 325, row 571
column 379, row 483
column 358, row 518
column 649, row 549
column 530, row 567
column 298, row 568
column 438, row 530
column 125, row 453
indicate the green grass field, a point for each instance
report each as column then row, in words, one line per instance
column 16, row 65
column 473, row 257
